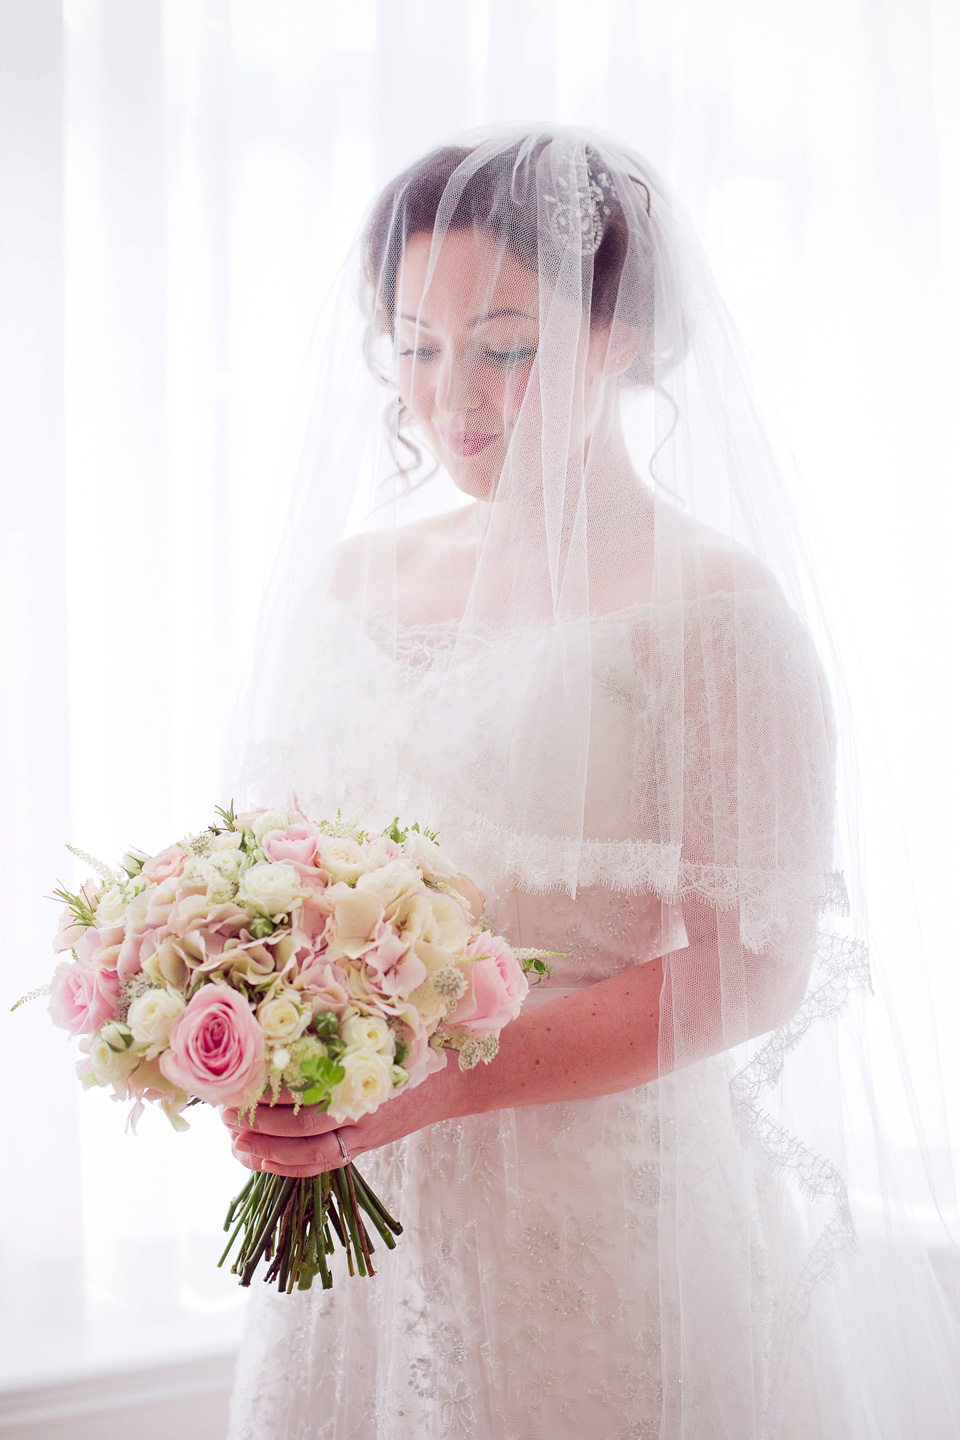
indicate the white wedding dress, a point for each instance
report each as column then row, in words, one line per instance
column 532, row 1293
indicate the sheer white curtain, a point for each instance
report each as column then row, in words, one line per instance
column 178, row 181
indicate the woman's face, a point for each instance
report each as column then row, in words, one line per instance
column 465, row 346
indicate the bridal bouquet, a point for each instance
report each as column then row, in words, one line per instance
column 273, row 951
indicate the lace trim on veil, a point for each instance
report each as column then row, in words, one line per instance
column 841, row 966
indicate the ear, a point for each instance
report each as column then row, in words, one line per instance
column 626, row 343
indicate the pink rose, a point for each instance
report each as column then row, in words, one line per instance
column 83, row 997
column 496, row 987
column 216, row 1048
column 164, row 864
column 296, row 846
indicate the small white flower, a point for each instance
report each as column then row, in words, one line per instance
column 271, row 887
column 116, row 1034
column 280, row 1059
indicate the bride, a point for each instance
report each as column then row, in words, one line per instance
column 580, row 646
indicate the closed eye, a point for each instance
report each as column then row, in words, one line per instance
column 504, row 357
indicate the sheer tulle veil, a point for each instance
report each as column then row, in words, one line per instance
column 543, row 588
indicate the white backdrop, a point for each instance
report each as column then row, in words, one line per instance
column 178, row 182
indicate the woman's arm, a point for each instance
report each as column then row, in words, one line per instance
column 602, row 1039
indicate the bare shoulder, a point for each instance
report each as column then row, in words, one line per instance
column 717, row 564
column 368, row 563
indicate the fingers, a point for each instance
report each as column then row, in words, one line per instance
column 282, row 1121
column 297, row 1156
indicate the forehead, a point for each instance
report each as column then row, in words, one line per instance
column 471, row 274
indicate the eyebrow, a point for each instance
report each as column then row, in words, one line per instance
column 491, row 315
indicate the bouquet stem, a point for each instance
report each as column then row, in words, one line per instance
column 288, row 1221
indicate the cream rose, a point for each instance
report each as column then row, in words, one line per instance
column 428, row 856
column 150, row 1017
column 272, row 820
column 270, row 887
column 284, row 1017
column 111, row 907
column 368, row 1032
column 340, row 857
column 366, row 1084
column 109, row 1066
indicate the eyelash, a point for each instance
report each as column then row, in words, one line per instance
column 507, row 357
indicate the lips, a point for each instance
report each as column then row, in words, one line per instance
column 466, row 442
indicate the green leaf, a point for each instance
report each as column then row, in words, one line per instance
column 316, row 1096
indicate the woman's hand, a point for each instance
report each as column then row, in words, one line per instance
column 283, row 1143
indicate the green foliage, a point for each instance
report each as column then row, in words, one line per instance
column 83, row 911
column 393, row 831
column 401, row 1051
column 319, row 1073
column 229, row 820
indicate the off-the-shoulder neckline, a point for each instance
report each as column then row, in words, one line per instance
column 625, row 613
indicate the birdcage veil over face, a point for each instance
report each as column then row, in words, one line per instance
column 542, row 589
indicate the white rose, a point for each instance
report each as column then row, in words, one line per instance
column 342, row 858
column 227, row 840
column 366, row 1084
column 428, row 855
column 271, row 820
column 283, row 1017
column 109, row 1066
column 271, row 887
column 151, row 1016
column 368, row 1032
column 392, row 881
column 111, row 907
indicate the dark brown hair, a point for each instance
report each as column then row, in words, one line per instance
column 494, row 199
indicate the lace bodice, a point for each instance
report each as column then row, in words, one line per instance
column 681, row 796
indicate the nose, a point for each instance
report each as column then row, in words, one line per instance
column 458, row 387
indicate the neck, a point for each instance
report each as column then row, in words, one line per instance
column 616, row 498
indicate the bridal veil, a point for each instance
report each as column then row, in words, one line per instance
column 542, row 590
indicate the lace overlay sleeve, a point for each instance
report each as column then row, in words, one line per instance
column 755, row 810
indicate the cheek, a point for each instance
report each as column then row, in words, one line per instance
column 416, row 391
column 515, row 388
